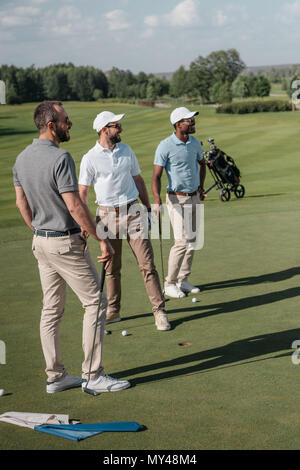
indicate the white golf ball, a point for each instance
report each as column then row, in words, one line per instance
column 124, row 333
column 2, row 392
column 194, row 299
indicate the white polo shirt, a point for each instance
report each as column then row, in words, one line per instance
column 111, row 173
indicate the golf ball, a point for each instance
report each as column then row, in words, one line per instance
column 2, row 392
column 194, row 299
column 124, row 333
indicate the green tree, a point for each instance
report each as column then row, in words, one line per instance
column 56, row 83
column 225, row 66
column 201, row 78
column 221, row 93
column 11, row 95
column 262, row 86
column 179, row 85
column 29, row 84
column 240, row 87
column 151, row 92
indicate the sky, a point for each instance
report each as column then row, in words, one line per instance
column 153, row 36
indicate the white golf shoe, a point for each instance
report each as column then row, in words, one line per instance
column 105, row 383
column 161, row 321
column 174, row 291
column 187, row 287
column 66, row 382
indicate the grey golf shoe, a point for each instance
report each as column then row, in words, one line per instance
column 66, row 382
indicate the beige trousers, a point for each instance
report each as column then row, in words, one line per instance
column 61, row 261
column 136, row 233
column 182, row 213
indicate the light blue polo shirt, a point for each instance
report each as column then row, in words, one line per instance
column 180, row 161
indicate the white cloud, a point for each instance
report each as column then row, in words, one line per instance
column 26, row 11
column 152, row 21
column 290, row 13
column 184, row 14
column 18, row 16
column 37, row 2
column 230, row 14
column 68, row 22
column 220, row 18
column 69, row 13
column 12, row 21
column 117, row 20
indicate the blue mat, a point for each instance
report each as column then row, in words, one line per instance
column 78, row 432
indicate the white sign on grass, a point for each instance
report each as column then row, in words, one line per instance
column 2, row 92
column 2, row 352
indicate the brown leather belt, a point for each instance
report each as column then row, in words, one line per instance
column 182, row 194
column 117, row 208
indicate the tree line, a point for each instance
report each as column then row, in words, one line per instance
column 84, row 83
column 215, row 78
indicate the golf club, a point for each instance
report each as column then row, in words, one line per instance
column 86, row 389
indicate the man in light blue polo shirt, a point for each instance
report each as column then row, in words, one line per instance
column 181, row 156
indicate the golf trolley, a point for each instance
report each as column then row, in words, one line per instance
column 225, row 173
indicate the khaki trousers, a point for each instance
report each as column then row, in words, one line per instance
column 61, row 261
column 136, row 233
column 182, row 252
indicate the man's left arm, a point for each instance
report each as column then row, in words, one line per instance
column 202, row 169
column 143, row 193
column 23, row 206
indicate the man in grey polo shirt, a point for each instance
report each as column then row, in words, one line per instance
column 48, row 199
column 112, row 168
column 181, row 156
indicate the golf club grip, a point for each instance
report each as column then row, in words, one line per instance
column 102, row 277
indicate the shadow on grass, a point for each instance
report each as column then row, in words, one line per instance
column 252, row 280
column 247, row 350
column 235, row 305
column 265, row 195
column 7, row 131
column 202, row 311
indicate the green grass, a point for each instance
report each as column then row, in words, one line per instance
column 235, row 386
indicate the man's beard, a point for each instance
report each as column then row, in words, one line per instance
column 63, row 136
column 115, row 139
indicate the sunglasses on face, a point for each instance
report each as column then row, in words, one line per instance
column 117, row 126
column 191, row 120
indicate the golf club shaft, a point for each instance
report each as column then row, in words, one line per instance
column 96, row 324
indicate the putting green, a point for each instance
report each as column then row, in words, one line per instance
column 234, row 385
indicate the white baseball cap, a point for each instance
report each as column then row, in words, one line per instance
column 102, row 119
column 181, row 113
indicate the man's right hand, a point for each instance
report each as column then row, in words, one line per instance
column 157, row 206
column 107, row 253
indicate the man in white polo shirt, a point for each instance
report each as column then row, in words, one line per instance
column 112, row 168
column 180, row 155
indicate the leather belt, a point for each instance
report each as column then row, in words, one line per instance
column 52, row 233
column 117, row 208
column 183, row 194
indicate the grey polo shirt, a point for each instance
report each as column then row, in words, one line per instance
column 45, row 171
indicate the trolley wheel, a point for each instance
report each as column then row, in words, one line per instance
column 239, row 191
column 224, row 194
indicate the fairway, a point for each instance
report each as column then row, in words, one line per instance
column 234, row 386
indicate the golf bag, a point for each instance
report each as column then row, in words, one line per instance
column 225, row 173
